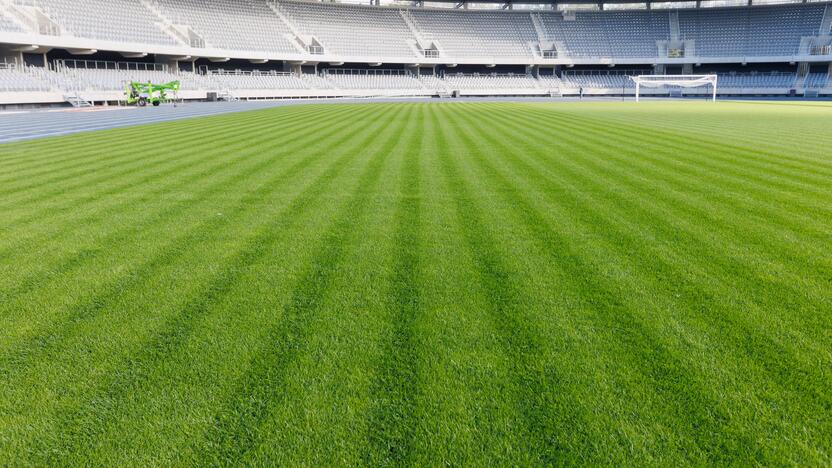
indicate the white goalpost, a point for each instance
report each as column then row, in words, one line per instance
column 684, row 81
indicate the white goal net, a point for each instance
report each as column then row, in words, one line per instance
column 673, row 81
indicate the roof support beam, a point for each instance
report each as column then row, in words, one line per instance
column 134, row 54
column 82, row 51
column 25, row 48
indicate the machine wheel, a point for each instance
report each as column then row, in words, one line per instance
column 156, row 103
column 142, row 102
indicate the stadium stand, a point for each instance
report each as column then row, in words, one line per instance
column 484, row 35
column 816, row 80
column 774, row 30
column 7, row 24
column 481, row 84
column 757, row 80
column 103, row 76
column 314, row 81
column 432, row 82
column 608, row 34
column 313, row 49
column 373, row 79
column 550, row 81
column 13, row 79
column 231, row 24
column 599, row 80
column 237, row 79
column 113, row 20
column 353, row 30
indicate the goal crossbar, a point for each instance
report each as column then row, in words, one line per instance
column 685, row 81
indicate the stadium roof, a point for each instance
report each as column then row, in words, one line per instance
column 565, row 4
column 549, row 2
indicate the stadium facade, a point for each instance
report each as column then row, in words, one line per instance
column 79, row 53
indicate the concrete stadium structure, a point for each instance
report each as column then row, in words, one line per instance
column 80, row 53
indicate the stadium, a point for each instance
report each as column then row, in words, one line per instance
column 415, row 233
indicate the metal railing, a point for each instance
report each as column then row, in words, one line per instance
column 355, row 71
column 49, row 30
column 821, row 50
column 108, row 65
column 487, row 75
column 567, row 73
column 222, row 72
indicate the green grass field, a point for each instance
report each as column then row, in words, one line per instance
column 423, row 284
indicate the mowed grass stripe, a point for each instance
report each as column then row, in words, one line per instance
column 44, row 153
column 798, row 137
column 128, row 156
column 689, row 189
column 296, row 209
column 644, row 351
column 43, row 149
column 327, row 367
column 742, row 162
column 391, row 419
column 135, row 212
column 711, row 259
column 506, row 314
column 127, row 206
column 574, row 276
column 115, row 192
column 768, row 243
column 753, row 194
column 716, row 303
column 460, row 415
column 566, row 426
column 798, row 131
column 422, row 284
column 166, row 162
column 685, row 156
column 239, row 420
column 177, row 330
column 735, row 156
column 149, row 217
column 135, row 159
column 88, row 261
column 774, row 351
column 246, row 198
column 134, row 219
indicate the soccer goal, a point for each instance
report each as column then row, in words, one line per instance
column 682, row 81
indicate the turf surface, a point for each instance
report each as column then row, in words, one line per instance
column 479, row 283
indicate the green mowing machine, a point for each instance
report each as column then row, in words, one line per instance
column 143, row 94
